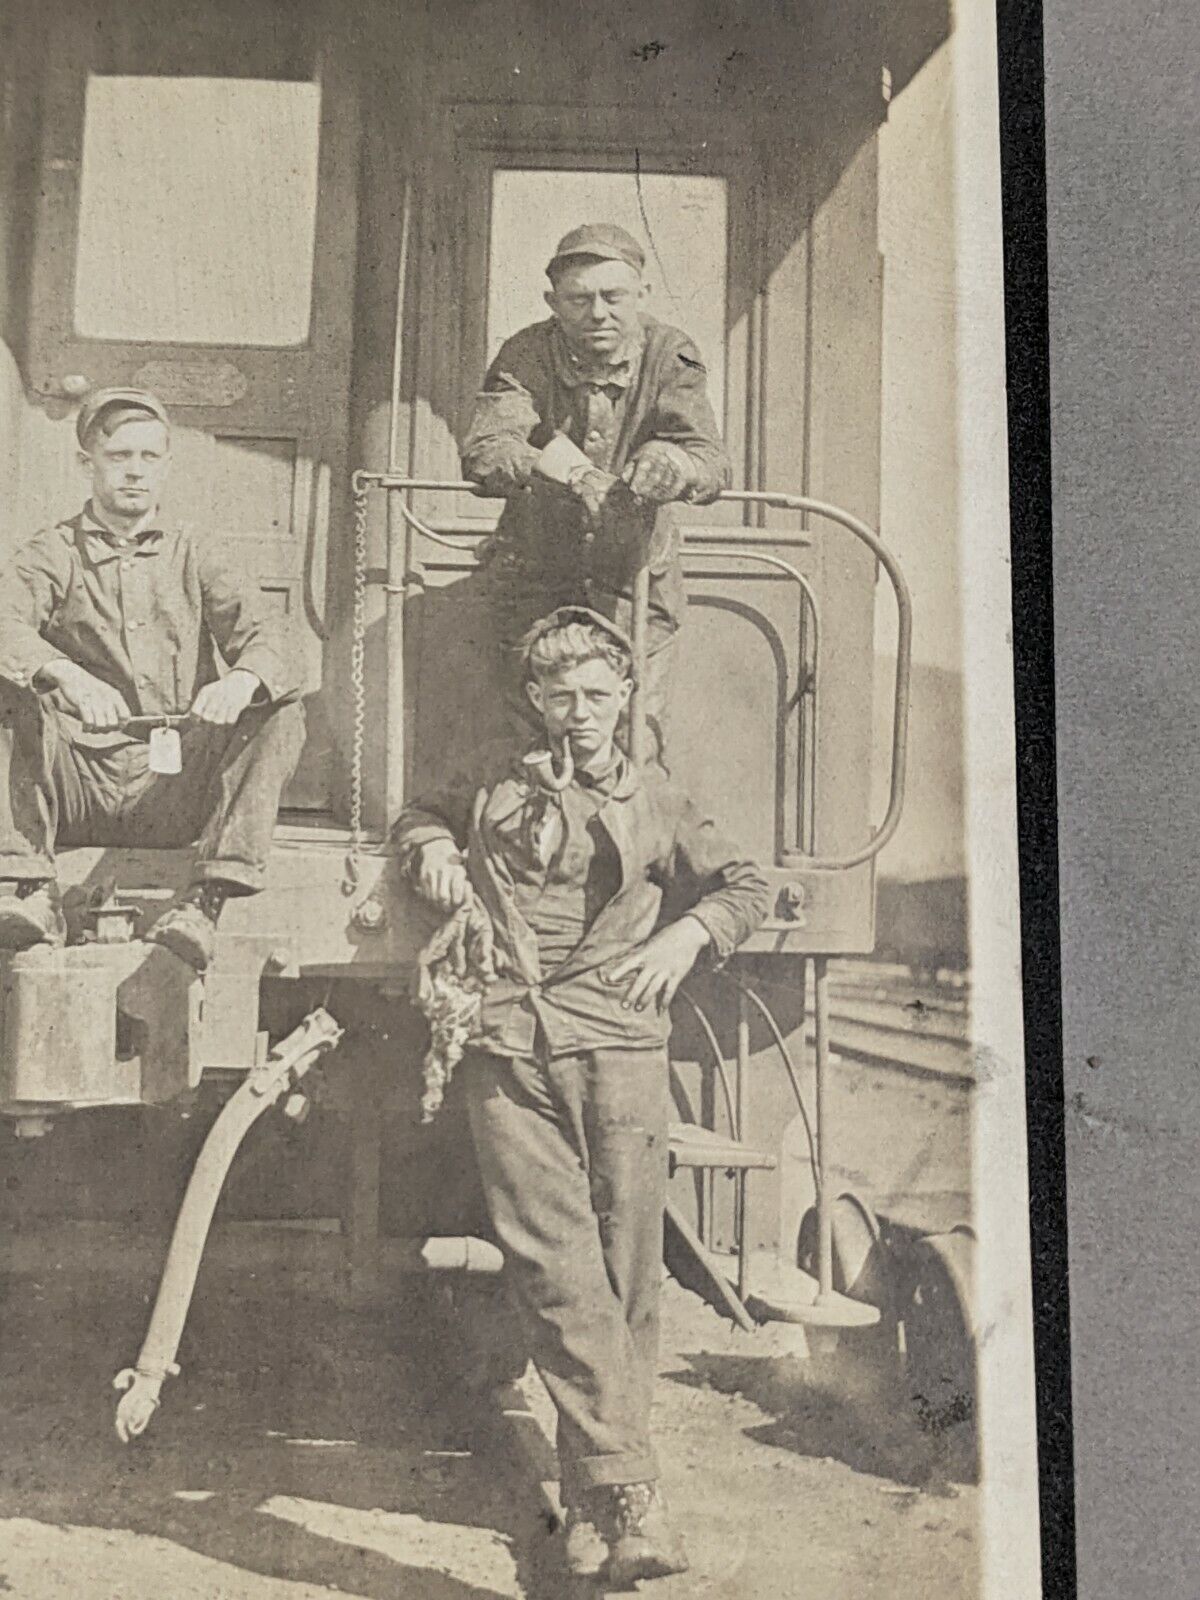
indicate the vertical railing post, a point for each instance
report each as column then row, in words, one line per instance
column 399, row 538
column 399, row 544
column 741, row 1091
column 639, row 630
column 820, row 966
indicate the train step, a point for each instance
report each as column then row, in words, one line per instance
column 780, row 1292
column 694, row 1146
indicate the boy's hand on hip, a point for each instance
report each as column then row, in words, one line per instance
column 223, row 702
column 656, row 969
column 441, row 875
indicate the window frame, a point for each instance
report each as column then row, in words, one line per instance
column 228, row 340
column 451, row 353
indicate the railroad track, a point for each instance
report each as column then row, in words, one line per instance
column 882, row 1018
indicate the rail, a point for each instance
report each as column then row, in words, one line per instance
column 720, row 542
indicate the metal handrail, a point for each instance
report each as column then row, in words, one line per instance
column 797, row 860
column 900, row 699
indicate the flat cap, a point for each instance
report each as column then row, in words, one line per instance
column 134, row 402
column 563, row 618
column 602, row 239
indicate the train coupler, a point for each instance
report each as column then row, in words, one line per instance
column 141, row 1398
column 276, row 1075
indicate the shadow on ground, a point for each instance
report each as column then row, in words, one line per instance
column 301, row 1441
column 841, row 1407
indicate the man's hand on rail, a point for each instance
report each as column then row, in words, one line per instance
column 222, row 702
column 660, row 472
column 593, row 487
column 441, row 875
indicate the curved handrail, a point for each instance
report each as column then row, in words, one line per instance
column 900, row 699
column 772, row 499
column 710, row 1036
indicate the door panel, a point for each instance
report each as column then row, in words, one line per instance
column 515, row 179
column 508, row 181
column 215, row 268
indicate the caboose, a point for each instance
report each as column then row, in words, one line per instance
column 353, row 207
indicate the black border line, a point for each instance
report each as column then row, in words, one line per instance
column 1023, row 170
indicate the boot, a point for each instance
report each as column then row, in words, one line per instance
column 188, row 929
column 30, row 914
column 584, row 1546
column 641, row 1541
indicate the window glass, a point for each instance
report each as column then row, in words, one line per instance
column 197, row 210
column 680, row 222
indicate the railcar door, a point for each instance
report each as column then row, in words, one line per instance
column 513, row 179
column 195, row 236
column 778, row 283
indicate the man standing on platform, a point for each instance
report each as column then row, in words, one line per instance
column 595, row 425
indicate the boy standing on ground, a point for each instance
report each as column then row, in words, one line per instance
column 567, row 1081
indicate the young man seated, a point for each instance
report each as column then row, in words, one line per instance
column 570, row 853
column 109, row 616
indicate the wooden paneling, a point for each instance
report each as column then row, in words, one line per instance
column 246, row 305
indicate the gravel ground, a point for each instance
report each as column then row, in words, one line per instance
column 307, row 1449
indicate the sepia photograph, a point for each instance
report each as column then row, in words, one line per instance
column 511, row 1071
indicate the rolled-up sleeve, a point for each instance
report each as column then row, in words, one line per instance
column 733, row 893
column 443, row 813
column 31, row 586
column 683, row 416
column 245, row 632
column 497, row 451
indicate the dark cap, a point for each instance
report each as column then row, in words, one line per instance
column 601, row 239
column 563, row 618
column 133, row 404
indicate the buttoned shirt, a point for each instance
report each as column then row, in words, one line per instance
column 146, row 615
column 601, row 394
column 537, row 386
column 662, row 845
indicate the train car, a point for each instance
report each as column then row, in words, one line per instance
column 353, row 208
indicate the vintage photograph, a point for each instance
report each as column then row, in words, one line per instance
column 510, row 993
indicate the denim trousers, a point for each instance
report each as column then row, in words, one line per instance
column 225, row 800
column 572, row 1153
column 525, row 584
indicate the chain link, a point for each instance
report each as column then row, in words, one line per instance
column 358, row 685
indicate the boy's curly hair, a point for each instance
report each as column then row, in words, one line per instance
column 570, row 636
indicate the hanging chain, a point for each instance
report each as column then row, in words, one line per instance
column 358, row 684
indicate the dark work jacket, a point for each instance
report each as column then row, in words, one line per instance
column 536, row 388
column 662, row 840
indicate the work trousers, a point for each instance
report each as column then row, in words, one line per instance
column 572, row 1154
column 525, row 582
column 226, row 799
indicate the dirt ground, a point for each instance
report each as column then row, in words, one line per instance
column 308, row 1449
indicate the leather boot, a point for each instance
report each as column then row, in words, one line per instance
column 584, row 1546
column 188, row 929
column 641, row 1541
column 30, row 914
